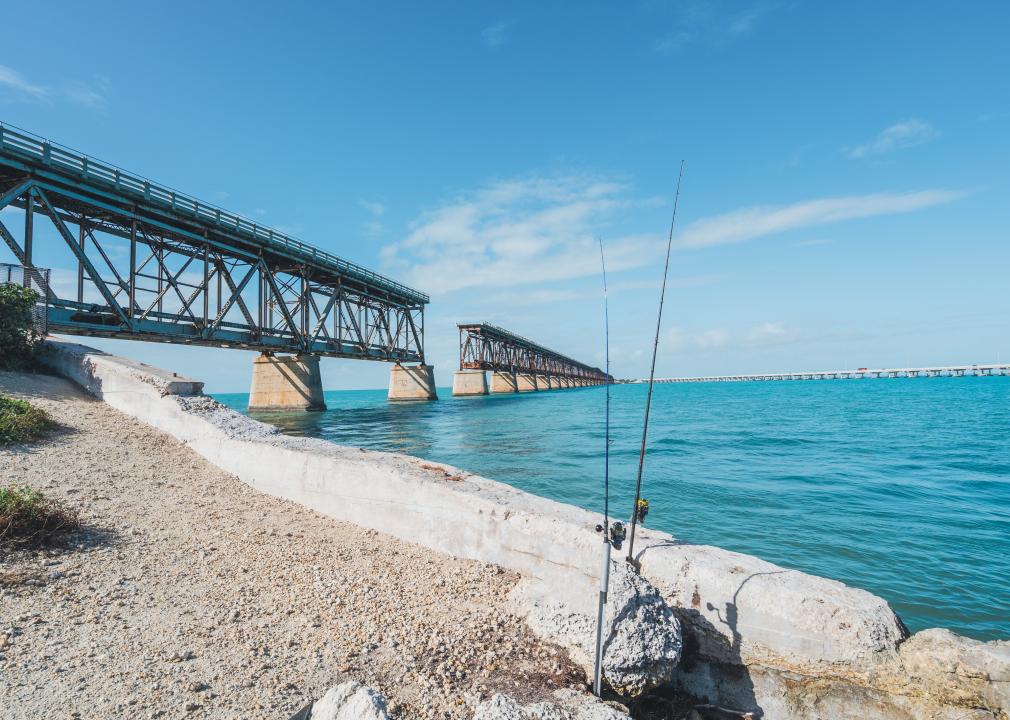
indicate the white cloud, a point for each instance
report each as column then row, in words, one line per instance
column 754, row 222
column 709, row 24
column 91, row 95
column 518, row 232
column 899, row 136
column 375, row 208
column 11, row 78
column 678, row 340
column 496, row 35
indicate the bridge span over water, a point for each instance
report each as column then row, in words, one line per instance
column 860, row 373
column 516, row 364
column 138, row 260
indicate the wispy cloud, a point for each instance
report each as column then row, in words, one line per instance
column 497, row 35
column 712, row 24
column 754, row 222
column 767, row 334
column 11, row 78
column 375, row 208
column 905, row 134
column 519, row 232
column 92, row 94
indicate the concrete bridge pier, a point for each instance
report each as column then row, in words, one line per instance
column 543, row 382
column 469, row 382
column 526, row 383
column 503, row 382
column 412, row 382
column 286, row 382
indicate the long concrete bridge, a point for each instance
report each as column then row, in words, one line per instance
column 860, row 373
column 151, row 263
column 517, row 364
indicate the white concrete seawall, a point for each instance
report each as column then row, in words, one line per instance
column 758, row 636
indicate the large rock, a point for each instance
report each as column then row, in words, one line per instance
column 568, row 705
column 641, row 636
column 350, row 701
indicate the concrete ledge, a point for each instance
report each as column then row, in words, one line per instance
column 757, row 635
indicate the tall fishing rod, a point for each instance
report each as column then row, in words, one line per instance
column 637, row 509
column 605, row 572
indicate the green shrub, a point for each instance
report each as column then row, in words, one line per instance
column 27, row 517
column 22, row 422
column 19, row 340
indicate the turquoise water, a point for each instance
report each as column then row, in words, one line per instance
column 901, row 487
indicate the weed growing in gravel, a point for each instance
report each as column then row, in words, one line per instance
column 22, row 422
column 27, row 517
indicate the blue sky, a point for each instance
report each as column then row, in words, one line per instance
column 844, row 200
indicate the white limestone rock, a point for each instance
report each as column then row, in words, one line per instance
column 641, row 641
column 350, row 701
column 568, row 705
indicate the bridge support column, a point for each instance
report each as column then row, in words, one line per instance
column 526, row 383
column 412, row 382
column 469, row 382
column 503, row 382
column 543, row 382
column 288, row 382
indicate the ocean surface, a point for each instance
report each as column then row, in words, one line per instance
column 901, row 487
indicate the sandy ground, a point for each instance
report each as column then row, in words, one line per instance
column 190, row 595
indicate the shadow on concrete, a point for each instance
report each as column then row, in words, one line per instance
column 712, row 671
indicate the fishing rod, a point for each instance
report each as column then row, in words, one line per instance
column 605, row 572
column 642, row 506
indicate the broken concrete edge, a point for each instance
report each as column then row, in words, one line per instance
column 737, row 609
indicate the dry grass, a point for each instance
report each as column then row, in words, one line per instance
column 21, row 421
column 28, row 518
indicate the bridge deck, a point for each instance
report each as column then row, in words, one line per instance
column 909, row 372
column 488, row 347
column 282, row 294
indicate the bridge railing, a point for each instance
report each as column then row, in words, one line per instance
column 41, row 150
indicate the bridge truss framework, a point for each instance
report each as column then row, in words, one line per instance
column 483, row 346
column 153, row 264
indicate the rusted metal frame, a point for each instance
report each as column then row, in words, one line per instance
column 354, row 321
column 204, row 288
column 162, row 270
column 123, row 285
column 236, row 296
column 175, row 284
column 272, row 285
column 417, row 334
column 321, row 318
column 82, row 257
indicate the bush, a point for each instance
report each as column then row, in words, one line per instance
column 19, row 340
column 27, row 517
column 22, row 422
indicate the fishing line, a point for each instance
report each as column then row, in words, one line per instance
column 637, row 509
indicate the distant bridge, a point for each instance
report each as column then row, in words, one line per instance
column 155, row 264
column 940, row 371
column 517, row 364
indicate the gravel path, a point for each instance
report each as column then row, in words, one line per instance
column 191, row 595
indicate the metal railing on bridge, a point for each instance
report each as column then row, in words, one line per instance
column 155, row 264
column 483, row 346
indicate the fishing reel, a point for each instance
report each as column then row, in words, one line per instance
column 617, row 533
column 642, row 509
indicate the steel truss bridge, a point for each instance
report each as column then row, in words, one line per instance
column 487, row 347
column 861, row 373
column 154, row 264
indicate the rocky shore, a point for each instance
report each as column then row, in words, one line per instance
column 192, row 595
